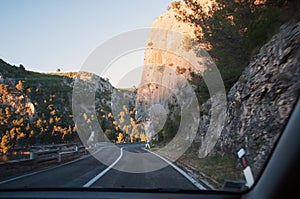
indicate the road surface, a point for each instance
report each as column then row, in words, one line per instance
column 127, row 166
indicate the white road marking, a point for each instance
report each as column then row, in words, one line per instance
column 93, row 180
column 192, row 180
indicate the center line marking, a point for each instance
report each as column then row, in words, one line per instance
column 97, row 177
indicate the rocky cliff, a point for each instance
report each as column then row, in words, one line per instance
column 258, row 104
column 169, row 60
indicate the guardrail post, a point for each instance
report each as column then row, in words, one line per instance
column 32, row 156
column 59, row 157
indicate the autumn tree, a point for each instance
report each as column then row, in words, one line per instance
column 120, row 138
column 19, row 86
column 5, row 144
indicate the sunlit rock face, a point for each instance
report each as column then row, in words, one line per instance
column 169, row 59
column 168, row 41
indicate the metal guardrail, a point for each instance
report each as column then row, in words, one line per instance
column 66, row 155
column 48, row 153
column 51, row 146
column 53, row 155
column 57, row 155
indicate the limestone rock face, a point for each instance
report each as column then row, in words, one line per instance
column 169, row 59
column 168, row 38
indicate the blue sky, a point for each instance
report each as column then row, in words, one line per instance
column 46, row 35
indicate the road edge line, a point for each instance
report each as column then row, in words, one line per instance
column 97, row 177
column 192, row 180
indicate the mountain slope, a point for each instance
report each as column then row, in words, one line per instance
column 38, row 108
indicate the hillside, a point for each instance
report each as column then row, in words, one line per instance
column 38, row 108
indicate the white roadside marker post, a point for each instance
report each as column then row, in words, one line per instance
column 246, row 168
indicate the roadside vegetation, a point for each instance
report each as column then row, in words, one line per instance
column 215, row 169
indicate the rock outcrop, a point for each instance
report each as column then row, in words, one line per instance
column 260, row 103
column 169, row 60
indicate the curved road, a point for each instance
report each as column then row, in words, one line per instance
column 115, row 170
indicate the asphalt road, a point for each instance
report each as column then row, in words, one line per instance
column 110, row 167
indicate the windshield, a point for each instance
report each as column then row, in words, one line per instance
column 144, row 95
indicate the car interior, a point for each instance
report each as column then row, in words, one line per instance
column 104, row 140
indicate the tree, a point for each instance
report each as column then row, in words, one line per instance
column 5, row 144
column 19, row 86
column 232, row 31
column 120, row 138
column 111, row 135
column 21, row 67
column 68, row 135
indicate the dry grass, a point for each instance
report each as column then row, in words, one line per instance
column 215, row 168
